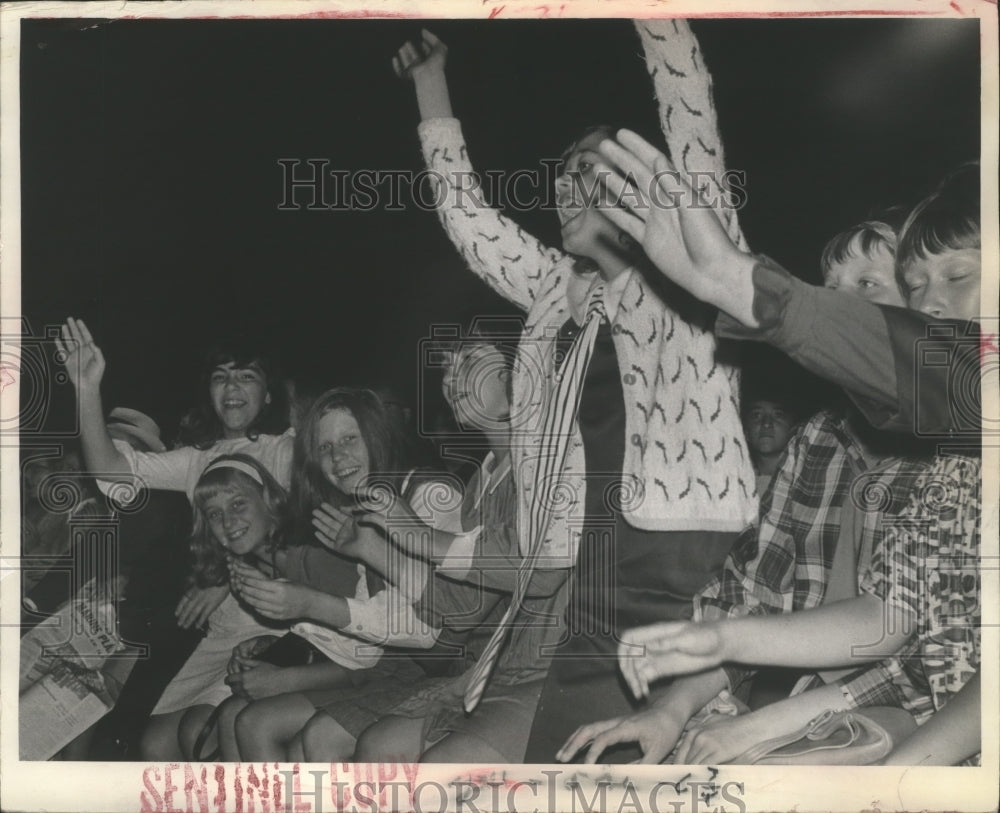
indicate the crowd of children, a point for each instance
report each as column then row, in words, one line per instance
column 634, row 549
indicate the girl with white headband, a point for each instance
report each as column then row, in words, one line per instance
column 239, row 510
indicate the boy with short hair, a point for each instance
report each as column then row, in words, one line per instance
column 930, row 581
column 861, row 261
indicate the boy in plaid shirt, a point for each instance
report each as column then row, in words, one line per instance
column 920, row 599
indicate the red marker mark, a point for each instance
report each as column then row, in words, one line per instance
column 307, row 15
column 794, row 14
column 495, row 12
column 7, row 376
column 956, row 7
column 544, row 10
column 987, row 342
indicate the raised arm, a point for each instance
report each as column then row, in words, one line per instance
column 873, row 351
column 690, row 127
column 84, row 363
column 497, row 250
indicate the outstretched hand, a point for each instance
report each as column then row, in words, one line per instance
column 677, row 226
column 670, row 648
column 83, row 359
column 654, row 729
column 415, row 59
column 197, row 604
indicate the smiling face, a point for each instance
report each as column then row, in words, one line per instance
column 585, row 231
column 239, row 520
column 868, row 277
column 475, row 387
column 945, row 285
column 768, row 427
column 238, row 395
column 341, row 450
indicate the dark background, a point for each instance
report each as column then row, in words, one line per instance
column 151, row 182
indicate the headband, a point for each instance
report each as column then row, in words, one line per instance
column 239, row 465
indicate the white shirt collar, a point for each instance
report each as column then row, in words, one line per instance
column 578, row 295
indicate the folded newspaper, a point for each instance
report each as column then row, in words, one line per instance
column 73, row 666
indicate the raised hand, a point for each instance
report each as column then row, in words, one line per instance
column 197, row 604
column 334, row 528
column 677, row 227
column 671, row 648
column 414, row 60
column 83, row 359
column 655, row 729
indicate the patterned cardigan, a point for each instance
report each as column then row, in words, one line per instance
column 686, row 464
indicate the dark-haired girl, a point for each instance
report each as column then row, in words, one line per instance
column 239, row 411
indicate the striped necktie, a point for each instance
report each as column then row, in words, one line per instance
column 560, row 418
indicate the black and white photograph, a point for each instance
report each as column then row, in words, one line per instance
column 415, row 407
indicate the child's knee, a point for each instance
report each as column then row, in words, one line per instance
column 250, row 721
column 373, row 742
column 228, row 712
column 390, row 739
column 323, row 739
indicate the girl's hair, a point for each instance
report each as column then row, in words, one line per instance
column 381, row 435
column 209, row 556
column 201, row 427
column 947, row 220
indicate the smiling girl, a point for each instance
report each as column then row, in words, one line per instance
column 238, row 417
column 348, row 445
column 240, row 511
column 241, row 414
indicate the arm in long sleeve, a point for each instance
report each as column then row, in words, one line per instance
column 683, row 87
column 160, row 470
column 388, row 618
column 490, row 558
column 877, row 354
column 497, row 250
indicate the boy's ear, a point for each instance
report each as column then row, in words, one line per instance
column 267, row 398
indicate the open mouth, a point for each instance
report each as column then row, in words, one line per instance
column 569, row 213
column 234, row 536
column 345, row 474
column 233, row 403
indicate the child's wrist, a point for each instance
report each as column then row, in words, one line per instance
column 727, row 644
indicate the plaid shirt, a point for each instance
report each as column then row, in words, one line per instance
column 782, row 562
column 926, row 561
